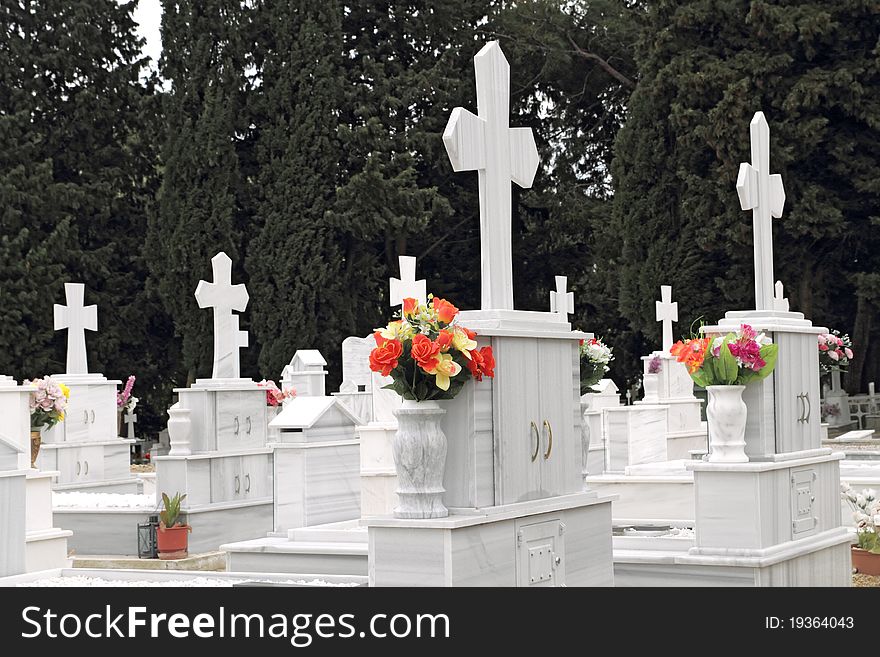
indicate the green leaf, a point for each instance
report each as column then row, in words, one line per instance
column 769, row 352
column 728, row 370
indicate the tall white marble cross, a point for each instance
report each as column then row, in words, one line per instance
column 764, row 195
column 224, row 298
column 130, row 419
column 407, row 287
column 562, row 301
column 667, row 312
column 76, row 318
column 499, row 153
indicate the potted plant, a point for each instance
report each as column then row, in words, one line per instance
column 429, row 357
column 724, row 365
column 47, row 404
column 125, row 403
column 595, row 356
column 866, row 516
column 172, row 535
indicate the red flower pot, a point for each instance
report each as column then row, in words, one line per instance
column 866, row 563
column 172, row 541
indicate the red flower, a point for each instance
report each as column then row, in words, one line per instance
column 424, row 352
column 410, row 306
column 444, row 339
column 482, row 362
column 472, row 335
column 384, row 357
column 446, row 312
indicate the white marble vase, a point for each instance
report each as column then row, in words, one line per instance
column 419, row 449
column 586, row 435
column 179, row 429
column 726, row 413
column 651, row 384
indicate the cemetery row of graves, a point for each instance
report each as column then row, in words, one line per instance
column 463, row 447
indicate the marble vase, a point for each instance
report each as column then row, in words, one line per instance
column 179, row 429
column 419, row 450
column 651, row 384
column 586, row 435
column 726, row 413
column 36, row 441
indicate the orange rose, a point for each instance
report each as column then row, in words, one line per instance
column 446, row 312
column 410, row 306
column 445, row 339
column 384, row 357
column 424, row 352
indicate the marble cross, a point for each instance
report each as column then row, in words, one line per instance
column 130, row 419
column 407, row 287
column 486, row 143
column 779, row 301
column 76, row 318
column 241, row 341
column 667, row 312
column 224, row 298
column 764, row 195
column 561, row 301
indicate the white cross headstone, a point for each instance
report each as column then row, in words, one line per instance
column 667, row 312
column 130, row 419
column 562, row 301
column 779, row 301
column 499, row 153
column 224, row 298
column 76, row 318
column 407, row 287
column 241, row 341
column 764, row 195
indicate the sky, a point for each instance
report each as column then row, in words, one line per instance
column 148, row 15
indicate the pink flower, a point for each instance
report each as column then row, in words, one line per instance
column 833, row 355
column 839, row 342
column 848, row 352
column 823, row 347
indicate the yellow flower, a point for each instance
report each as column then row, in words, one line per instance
column 65, row 390
column 61, row 417
column 462, row 342
column 444, row 370
column 398, row 330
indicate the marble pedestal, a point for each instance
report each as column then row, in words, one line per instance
column 559, row 541
column 45, row 544
column 634, row 435
column 12, row 521
column 378, row 476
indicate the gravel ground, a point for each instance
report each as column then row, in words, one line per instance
column 872, row 581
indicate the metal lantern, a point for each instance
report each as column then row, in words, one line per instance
column 147, row 547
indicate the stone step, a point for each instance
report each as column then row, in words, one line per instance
column 206, row 561
column 281, row 555
column 46, row 548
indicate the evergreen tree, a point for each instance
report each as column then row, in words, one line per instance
column 705, row 68
column 76, row 173
column 296, row 261
column 201, row 206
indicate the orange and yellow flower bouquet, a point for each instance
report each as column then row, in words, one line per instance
column 427, row 354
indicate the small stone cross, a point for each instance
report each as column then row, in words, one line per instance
column 76, row 318
column 130, row 419
column 667, row 312
column 779, row 301
column 562, row 301
column 407, row 287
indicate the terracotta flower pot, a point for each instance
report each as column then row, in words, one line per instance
column 172, row 542
column 866, row 563
column 36, row 441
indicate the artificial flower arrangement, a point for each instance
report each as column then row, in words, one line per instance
column 124, row 400
column 427, row 354
column 47, row 402
column 866, row 515
column 595, row 356
column 275, row 396
column 655, row 365
column 735, row 359
column 835, row 350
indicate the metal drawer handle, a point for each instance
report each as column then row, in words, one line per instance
column 237, row 484
column 237, row 425
column 801, row 398
column 86, row 471
column 534, row 427
column 550, row 441
column 809, row 406
column 248, row 420
column 86, row 417
column 247, row 486
column 93, row 417
column 78, row 468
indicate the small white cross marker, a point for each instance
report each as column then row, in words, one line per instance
column 223, row 297
column 764, row 195
column 561, row 301
column 76, row 318
column 130, row 419
column 407, row 287
column 487, row 144
column 667, row 312
column 779, row 301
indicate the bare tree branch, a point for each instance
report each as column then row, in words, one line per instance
column 608, row 68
